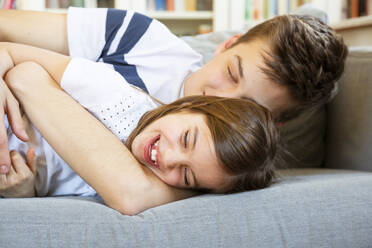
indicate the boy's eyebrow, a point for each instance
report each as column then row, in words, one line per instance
column 240, row 66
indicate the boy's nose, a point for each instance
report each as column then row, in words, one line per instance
column 227, row 93
column 233, row 91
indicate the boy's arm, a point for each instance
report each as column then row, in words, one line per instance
column 54, row 63
column 100, row 159
column 35, row 28
column 82, row 32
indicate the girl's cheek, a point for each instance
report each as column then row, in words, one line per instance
column 170, row 179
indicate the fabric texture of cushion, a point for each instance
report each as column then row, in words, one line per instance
column 307, row 208
column 349, row 136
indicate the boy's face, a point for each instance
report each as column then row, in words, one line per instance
column 235, row 72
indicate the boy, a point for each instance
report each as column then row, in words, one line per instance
column 287, row 64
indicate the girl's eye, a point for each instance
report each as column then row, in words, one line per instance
column 185, row 138
column 231, row 75
column 186, row 181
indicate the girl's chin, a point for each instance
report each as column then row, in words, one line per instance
column 136, row 153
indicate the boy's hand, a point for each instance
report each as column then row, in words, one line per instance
column 20, row 181
column 8, row 105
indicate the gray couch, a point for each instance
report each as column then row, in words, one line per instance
column 326, row 206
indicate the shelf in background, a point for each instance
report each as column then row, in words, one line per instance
column 184, row 15
column 353, row 23
column 355, row 31
column 64, row 11
column 164, row 15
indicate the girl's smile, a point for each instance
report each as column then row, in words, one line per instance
column 151, row 151
column 179, row 149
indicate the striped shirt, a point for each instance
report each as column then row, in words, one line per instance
column 142, row 50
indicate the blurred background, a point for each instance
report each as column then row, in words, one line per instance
column 352, row 18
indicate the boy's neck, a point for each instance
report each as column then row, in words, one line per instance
column 185, row 82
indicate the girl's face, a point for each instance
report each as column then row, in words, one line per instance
column 179, row 149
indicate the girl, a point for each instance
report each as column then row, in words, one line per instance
column 202, row 143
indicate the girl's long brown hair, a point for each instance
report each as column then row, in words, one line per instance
column 244, row 135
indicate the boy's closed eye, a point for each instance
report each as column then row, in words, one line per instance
column 231, row 75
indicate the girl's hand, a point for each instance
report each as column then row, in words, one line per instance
column 20, row 181
column 8, row 105
column 6, row 62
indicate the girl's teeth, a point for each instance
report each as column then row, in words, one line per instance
column 153, row 155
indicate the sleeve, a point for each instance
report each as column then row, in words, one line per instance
column 94, row 83
column 86, row 30
column 96, row 33
column 106, row 95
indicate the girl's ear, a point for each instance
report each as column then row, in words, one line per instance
column 226, row 44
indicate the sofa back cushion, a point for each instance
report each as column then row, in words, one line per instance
column 349, row 115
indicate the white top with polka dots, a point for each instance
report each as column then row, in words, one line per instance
column 105, row 94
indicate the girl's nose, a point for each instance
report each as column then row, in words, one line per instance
column 172, row 158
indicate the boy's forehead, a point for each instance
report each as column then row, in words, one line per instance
column 252, row 45
column 250, row 53
column 257, row 85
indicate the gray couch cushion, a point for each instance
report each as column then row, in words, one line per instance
column 349, row 133
column 310, row 208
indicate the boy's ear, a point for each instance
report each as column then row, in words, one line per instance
column 226, row 44
column 280, row 124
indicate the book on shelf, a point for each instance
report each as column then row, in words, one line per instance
column 177, row 5
column 170, row 5
column 204, row 4
column 259, row 10
column 57, row 4
column 354, row 8
column 190, row 5
column 7, row 4
column 357, row 8
column 160, row 5
column 283, row 7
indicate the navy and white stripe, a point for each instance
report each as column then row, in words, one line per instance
column 123, row 30
column 139, row 50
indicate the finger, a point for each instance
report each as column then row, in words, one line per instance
column 4, row 150
column 31, row 159
column 15, row 118
column 18, row 163
column 11, row 171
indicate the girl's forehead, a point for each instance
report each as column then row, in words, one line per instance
column 183, row 113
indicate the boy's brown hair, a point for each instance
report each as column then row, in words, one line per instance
column 306, row 56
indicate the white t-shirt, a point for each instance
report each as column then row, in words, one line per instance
column 141, row 49
column 105, row 94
